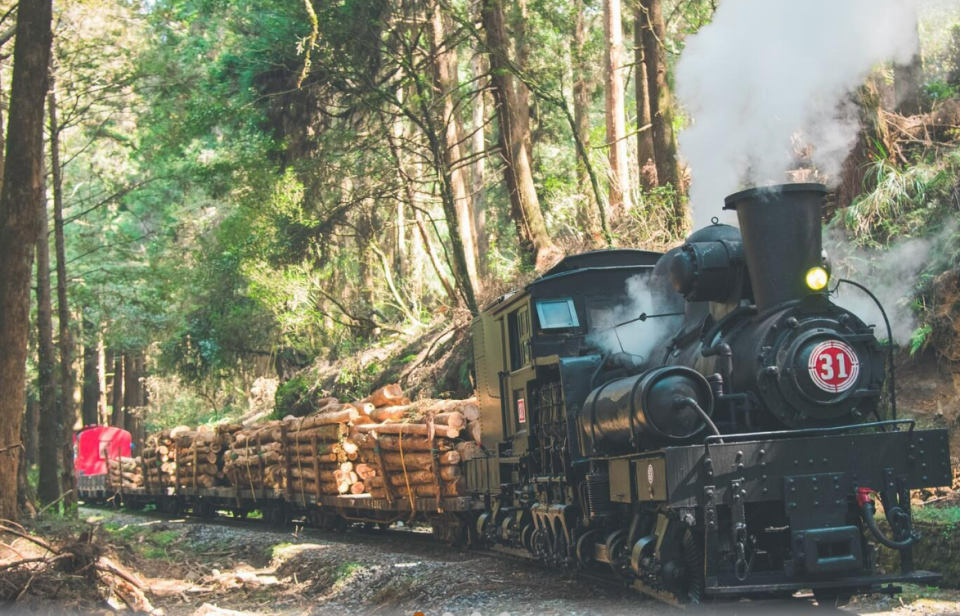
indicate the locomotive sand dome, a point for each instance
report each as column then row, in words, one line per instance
column 721, row 438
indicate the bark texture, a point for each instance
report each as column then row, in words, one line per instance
column 646, row 154
column 90, row 392
column 620, row 199
column 524, row 203
column 661, row 105
column 68, row 408
column 908, row 78
column 20, row 200
column 583, row 85
column 116, row 418
column 51, row 420
column 446, row 85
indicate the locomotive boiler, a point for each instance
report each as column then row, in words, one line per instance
column 738, row 455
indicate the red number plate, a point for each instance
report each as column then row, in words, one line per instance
column 834, row 366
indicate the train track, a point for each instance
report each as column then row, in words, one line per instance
column 799, row 604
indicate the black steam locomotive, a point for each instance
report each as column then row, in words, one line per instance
column 739, row 455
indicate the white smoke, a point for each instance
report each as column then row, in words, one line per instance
column 766, row 71
column 637, row 339
column 889, row 274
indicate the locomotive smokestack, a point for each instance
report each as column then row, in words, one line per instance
column 782, row 239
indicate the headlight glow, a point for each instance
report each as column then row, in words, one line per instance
column 817, row 278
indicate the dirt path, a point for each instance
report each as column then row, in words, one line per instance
column 193, row 567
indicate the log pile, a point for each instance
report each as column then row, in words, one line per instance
column 200, row 456
column 384, row 445
column 418, row 447
column 187, row 457
column 124, row 473
column 159, row 458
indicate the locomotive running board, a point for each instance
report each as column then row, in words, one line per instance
column 864, row 585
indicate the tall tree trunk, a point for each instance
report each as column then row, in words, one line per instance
column 365, row 231
column 51, row 419
column 31, row 425
column 116, row 419
column 646, row 153
column 410, row 195
column 525, row 206
column 446, row 86
column 90, row 393
column 103, row 360
column 522, row 52
column 478, row 146
column 587, row 213
column 67, row 379
column 21, row 199
column 620, row 199
column 908, row 78
column 661, row 106
column 142, row 398
column 25, row 495
column 131, row 391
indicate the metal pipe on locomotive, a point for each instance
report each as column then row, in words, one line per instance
column 739, row 458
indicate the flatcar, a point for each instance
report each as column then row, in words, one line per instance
column 700, row 425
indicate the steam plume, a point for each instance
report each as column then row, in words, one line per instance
column 889, row 274
column 638, row 339
column 767, row 70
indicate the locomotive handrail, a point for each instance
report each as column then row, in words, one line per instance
column 807, row 431
column 891, row 360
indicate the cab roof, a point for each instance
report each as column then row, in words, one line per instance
column 626, row 258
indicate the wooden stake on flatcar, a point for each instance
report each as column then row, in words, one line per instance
column 387, row 489
column 287, row 474
column 434, row 458
column 316, row 467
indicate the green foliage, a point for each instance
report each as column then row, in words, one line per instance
column 295, row 397
column 910, row 200
column 919, row 338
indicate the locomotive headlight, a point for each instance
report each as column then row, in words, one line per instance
column 817, row 278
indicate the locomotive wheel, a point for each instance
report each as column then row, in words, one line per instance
column 539, row 542
column 585, row 549
column 615, row 543
column 526, row 538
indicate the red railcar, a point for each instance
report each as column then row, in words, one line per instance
column 95, row 446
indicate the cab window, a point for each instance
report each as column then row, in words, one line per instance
column 518, row 331
column 555, row 314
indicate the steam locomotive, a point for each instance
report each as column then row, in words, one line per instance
column 699, row 425
column 741, row 457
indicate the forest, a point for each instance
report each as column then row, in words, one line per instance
column 217, row 208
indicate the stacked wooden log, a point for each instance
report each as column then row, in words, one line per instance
column 200, row 456
column 159, row 458
column 384, row 445
column 418, row 447
column 125, row 473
